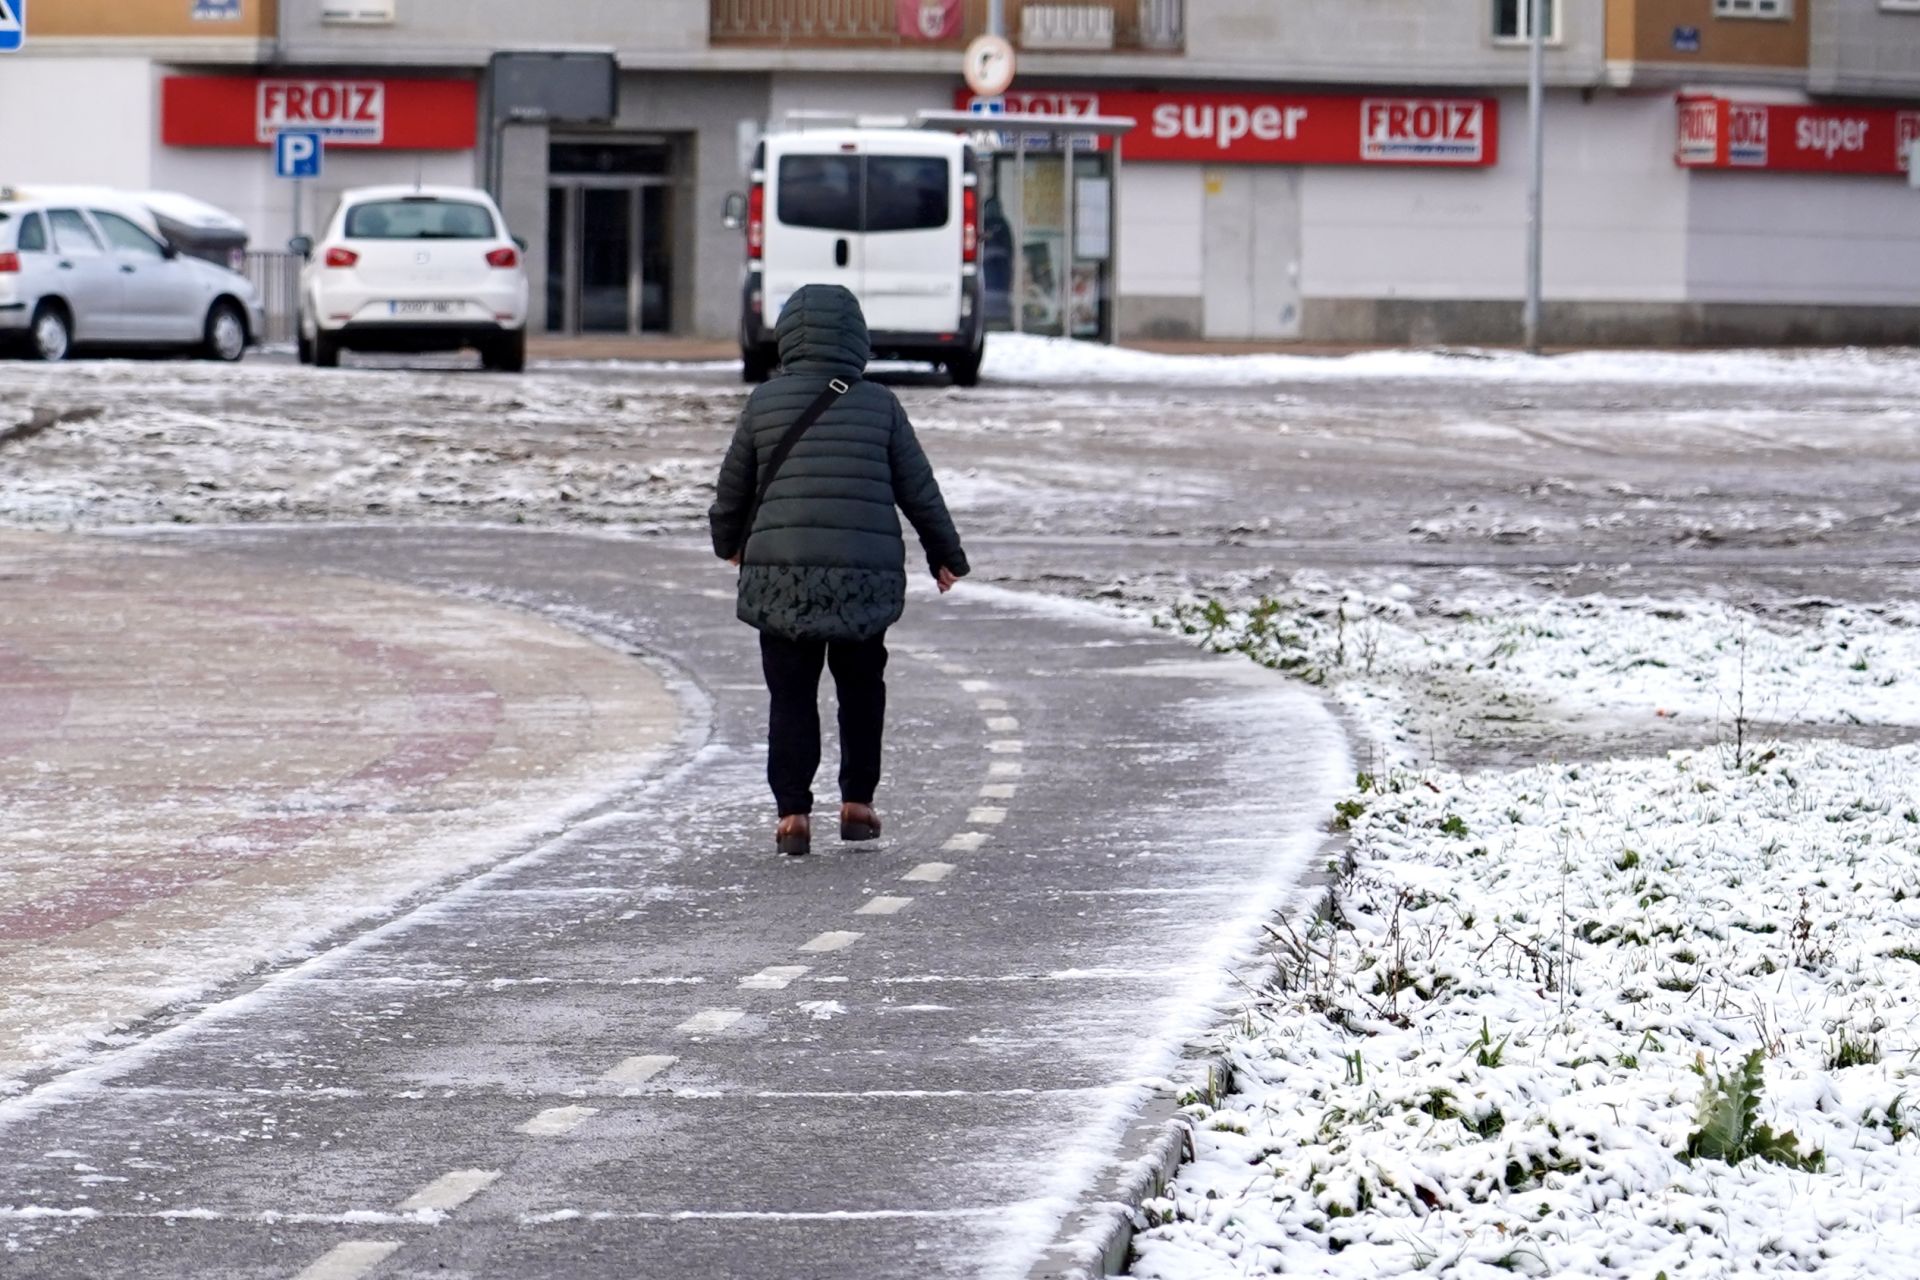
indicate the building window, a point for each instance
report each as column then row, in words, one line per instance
column 1510, row 20
column 1780, row 10
column 1900, row 6
column 357, row 13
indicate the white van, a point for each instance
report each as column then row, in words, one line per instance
column 892, row 214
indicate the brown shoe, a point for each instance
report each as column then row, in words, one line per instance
column 794, row 835
column 859, row 822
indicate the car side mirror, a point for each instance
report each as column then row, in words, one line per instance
column 733, row 215
column 521, row 243
column 302, row 245
column 169, row 250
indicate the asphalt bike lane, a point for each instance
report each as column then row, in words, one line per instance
column 654, row 1047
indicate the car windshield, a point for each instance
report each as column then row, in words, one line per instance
column 413, row 218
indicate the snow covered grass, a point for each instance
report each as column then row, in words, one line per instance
column 1590, row 1018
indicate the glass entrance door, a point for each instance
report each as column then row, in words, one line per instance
column 609, row 261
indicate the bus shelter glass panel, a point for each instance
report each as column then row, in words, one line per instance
column 1046, row 250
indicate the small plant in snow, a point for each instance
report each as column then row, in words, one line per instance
column 1729, row 1128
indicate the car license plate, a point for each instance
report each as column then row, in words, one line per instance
column 401, row 307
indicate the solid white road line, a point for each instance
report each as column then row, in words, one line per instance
column 556, row 1122
column 1003, row 724
column 349, row 1261
column 833, row 940
column 965, row 842
column 998, row 791
column 930, row 872
column 639, row 1070
column 1005, row 769
column 1006, row 746
column 710, row 1021
column 986, row 816
column 882, row 906
column 450, row 1190
column 976, row 686
column 991, row 704
column 774, row 977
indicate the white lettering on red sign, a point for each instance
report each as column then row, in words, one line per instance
column 1421, row 129
column 342, row 110
column 1747, row 135
column 1227, row 124
column 1829, row 135
column 1699, row 132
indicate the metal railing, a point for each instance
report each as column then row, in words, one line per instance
column 1155, row 26
column 276, row 278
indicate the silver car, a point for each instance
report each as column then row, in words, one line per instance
column 76, row 275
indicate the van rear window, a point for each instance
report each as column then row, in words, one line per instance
column 864, row 193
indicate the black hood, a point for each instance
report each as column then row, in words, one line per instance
column 822, row 331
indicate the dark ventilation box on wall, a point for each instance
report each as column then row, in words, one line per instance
column 555, row 88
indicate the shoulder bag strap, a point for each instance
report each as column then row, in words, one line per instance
column 808, row 416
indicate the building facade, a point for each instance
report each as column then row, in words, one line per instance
column 1326, row 170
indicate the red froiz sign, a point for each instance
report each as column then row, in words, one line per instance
column 1719, row 134
column 341, row 110
column 1275, row 129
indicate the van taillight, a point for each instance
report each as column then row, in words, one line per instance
column 969, row 225
column 756, row 221
column 9, row 264
column 338, row 257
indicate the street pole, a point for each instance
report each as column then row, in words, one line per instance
column 1536, row 94
column 997, row 17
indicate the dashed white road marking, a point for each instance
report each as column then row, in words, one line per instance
column 882, row 905
column 1006, row 746
column 930, row 872
column 1005, row 769
column 976, row 686
column 998, row 791
column 832, row 940
column 710, row 1021
column 773, row 977
column 986, row 816
column 639, row 1070
column 992, row 704
column 450, row 1190
column 556, row 1122
column 349, row 1261
column 965, row 842
column 1003, row 724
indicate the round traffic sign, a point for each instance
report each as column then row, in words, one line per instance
column 989, row 66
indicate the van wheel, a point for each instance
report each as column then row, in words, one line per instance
column 326, row 350
column 756, row 364
column 50, row 336
column 226, row 333
column 965, row 370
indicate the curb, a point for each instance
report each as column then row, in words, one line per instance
column 1096, row 1238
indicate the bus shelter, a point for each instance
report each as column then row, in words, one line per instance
column 1048, row 204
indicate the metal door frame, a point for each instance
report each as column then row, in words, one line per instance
column 573, row 185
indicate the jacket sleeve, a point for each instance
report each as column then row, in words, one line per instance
column 733, row 492
column 918, row 494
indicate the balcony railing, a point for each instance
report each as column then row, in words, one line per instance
column 1090, row 26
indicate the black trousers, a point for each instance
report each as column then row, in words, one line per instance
column 792, row 668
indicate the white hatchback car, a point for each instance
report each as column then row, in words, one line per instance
column 414, row 269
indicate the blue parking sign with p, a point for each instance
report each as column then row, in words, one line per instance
column 13, row 24
column 296, row 154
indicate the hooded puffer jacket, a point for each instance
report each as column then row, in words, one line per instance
column 824, row 559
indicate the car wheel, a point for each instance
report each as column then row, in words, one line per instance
column 326, row 350
column 50, row 336
column 505, row 354
column 302, row 346
column 965, row 370
column 756, row 365
column 226, row 334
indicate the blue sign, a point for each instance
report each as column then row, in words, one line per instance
column 296, row 154
column 13, row 25
column 1686, row 39
column 216, row 10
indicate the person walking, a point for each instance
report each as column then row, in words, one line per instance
column 805, row 506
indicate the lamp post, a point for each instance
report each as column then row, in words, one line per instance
column 1536, row 93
